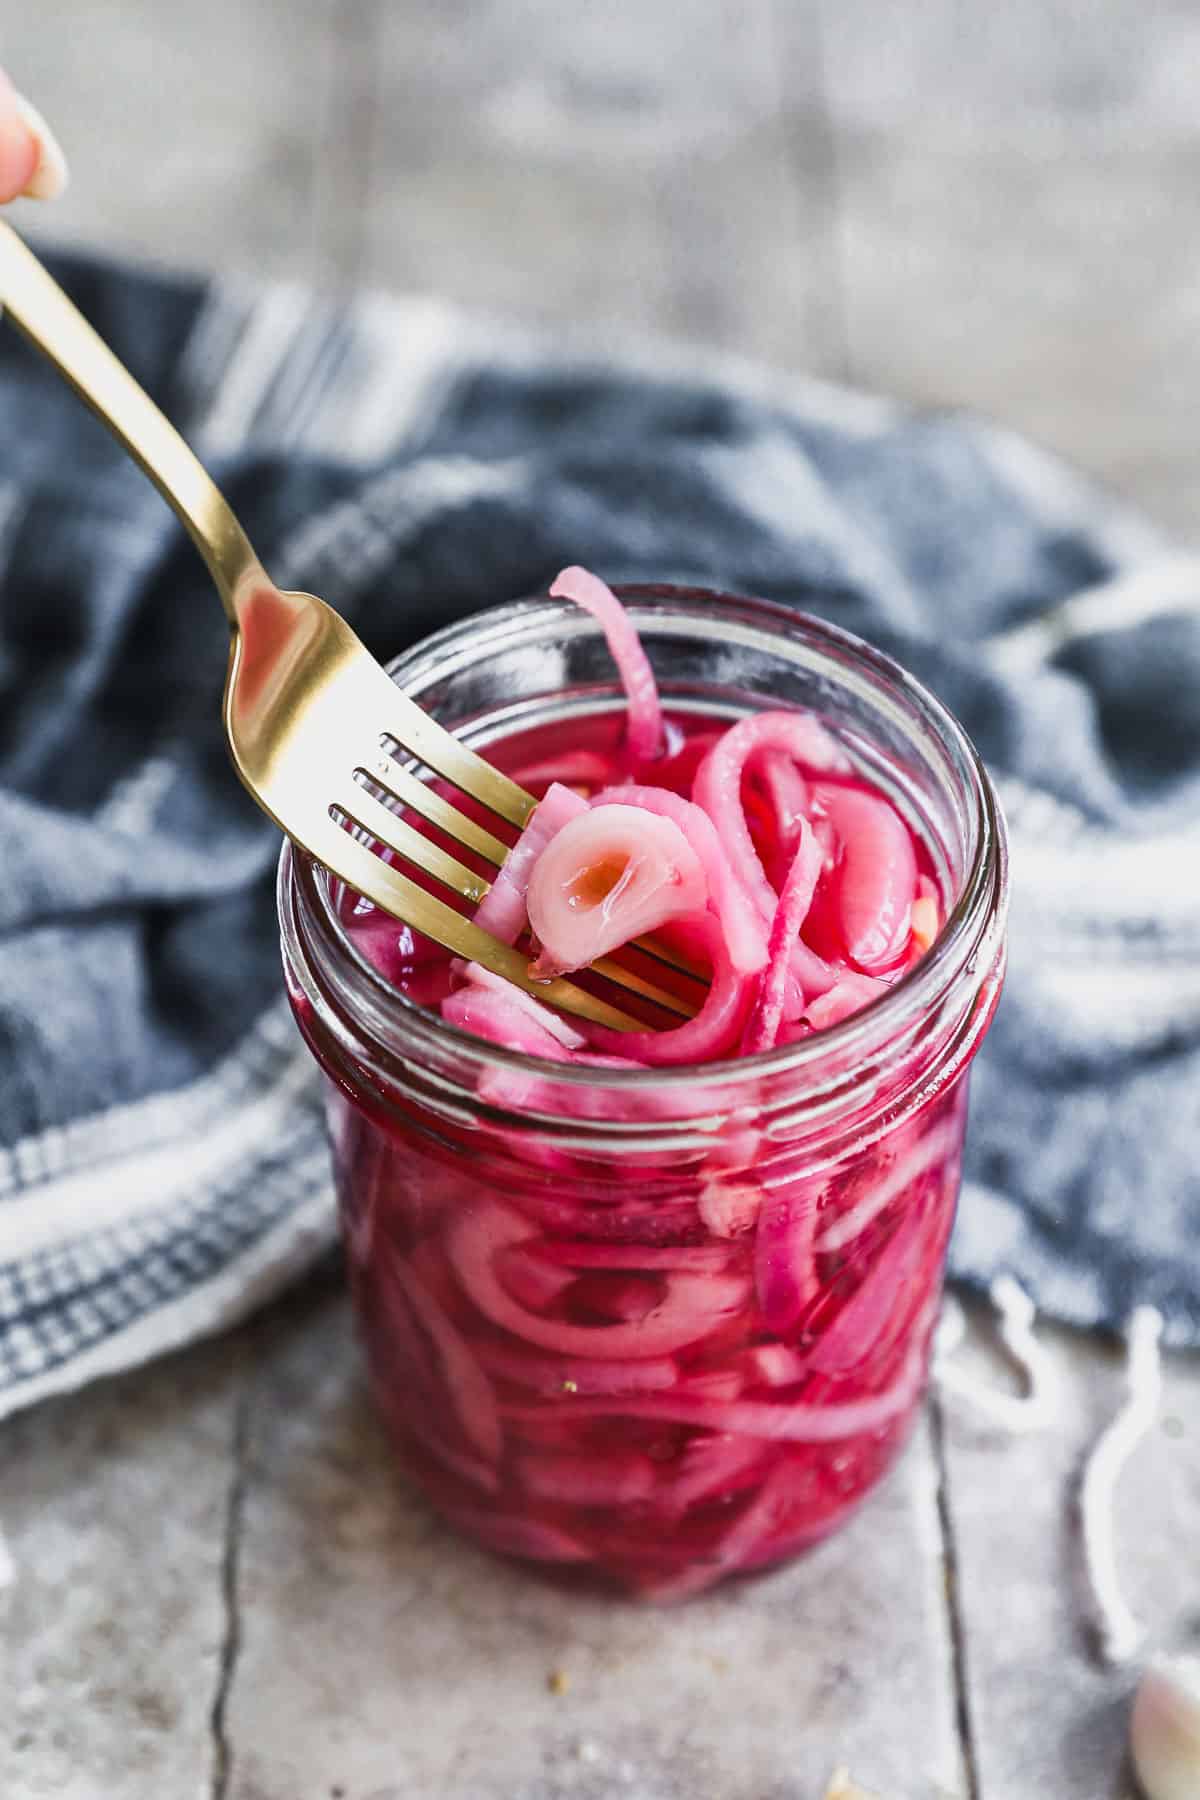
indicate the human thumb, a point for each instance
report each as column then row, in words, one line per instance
column 31, row 160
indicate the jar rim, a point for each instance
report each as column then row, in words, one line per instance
column 972, row 934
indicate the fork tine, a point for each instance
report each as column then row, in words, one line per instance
column 368, row 874
column 423, row 737
column 382, row 824
column 404, row 786
column 624, row 977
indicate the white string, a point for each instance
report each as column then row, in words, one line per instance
column 1038, row 1406
column 951, row 1330
column 1121, row 1635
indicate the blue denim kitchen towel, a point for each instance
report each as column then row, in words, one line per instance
column 161, row 1159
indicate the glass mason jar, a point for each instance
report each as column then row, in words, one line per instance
column 660, row 1325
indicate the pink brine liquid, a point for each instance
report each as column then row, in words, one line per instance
column 701, row 1364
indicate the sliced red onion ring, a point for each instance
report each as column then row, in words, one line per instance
column 778, row 1420
column 861, row 1329
column 613, row 1477
column 554, row 1376
column 718, row 784
column 785, row 1270
column 745, row 936
column 610, row 875
column 810, row 976
column 499, row 1019
column 711, row 1384
column 750, row 1533
column 692, row 1306
column 877, row 875
column 530, row 1280
column 653, row 1259
column 790, row 913
column 712, row 1465
column 787, row 795
column 644, row 727
column 715, row 1030
column 468, row 1388
column 573, row 769
column 475, row 975
column 930, row 1151
column 849, row 994
column 502, row 909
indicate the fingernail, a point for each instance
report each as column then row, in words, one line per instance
column 50, row 176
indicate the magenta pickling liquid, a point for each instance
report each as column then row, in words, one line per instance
column 663, row 1380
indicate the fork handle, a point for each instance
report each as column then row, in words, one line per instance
column 52, row 323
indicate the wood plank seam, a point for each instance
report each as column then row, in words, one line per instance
column 954, row 1616
column 231, row 1635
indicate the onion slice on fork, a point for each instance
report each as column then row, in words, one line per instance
column 608, row 876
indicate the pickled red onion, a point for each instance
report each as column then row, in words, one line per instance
column 573, row 769
column 713, row 1465
column 718, row 784
column 844, row 858
column 858, row 1331
column 500, row 1020
column 575, row 1478
column 695, row 1368
column 644, row 726
column 713, row 1032
column 877, row 879
column 932, row 1150
column 687, row 1312
column 849, row 994
column 532, row 1282
column 657, row 1257
column 745, row 938
column 787, row 794
column 790, row 912
column 502, row 909
column 468, row 1388
column 559, row 1027
column 785, row 1269
column 556, row 1375
column 780, row 1420
column 610, row 875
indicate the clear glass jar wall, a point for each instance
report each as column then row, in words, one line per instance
column 666, row 1326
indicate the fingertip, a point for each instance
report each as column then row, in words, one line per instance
column 19, row 151
column 49, row 174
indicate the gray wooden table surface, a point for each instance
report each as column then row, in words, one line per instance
column 222, row 1591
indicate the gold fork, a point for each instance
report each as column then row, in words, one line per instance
column 309, row 714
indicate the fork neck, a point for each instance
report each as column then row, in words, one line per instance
column 53, row 324
column 228, row 553
column 203, row 510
